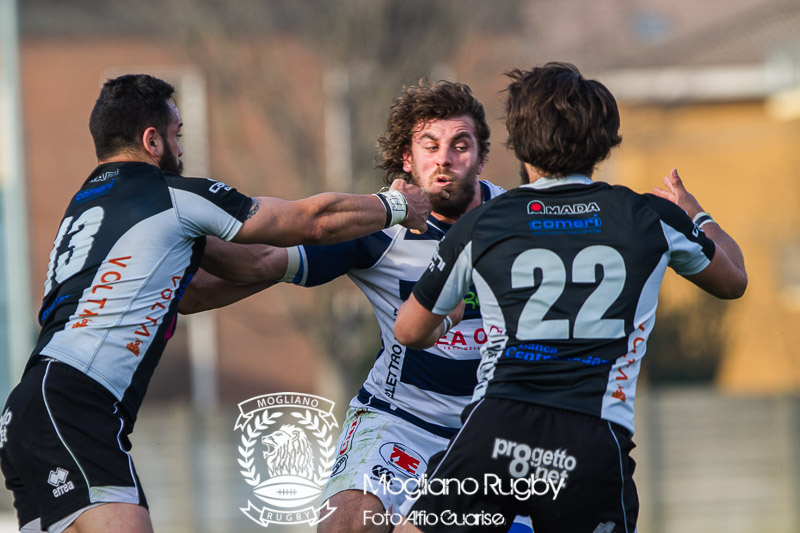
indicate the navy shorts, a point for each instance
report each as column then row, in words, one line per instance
column 570, row 472
column 64, row 445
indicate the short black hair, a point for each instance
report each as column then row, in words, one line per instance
column 558, row 121
column 126, row 107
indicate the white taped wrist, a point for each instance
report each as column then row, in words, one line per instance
column 396, row 206
column 293, row 265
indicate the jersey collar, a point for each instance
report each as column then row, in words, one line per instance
column 545, row 183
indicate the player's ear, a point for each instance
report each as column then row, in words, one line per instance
column 407, row 161
column 152, row 142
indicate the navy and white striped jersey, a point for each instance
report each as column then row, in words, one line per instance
column 130, row 241
column 429, row 387
column 567, row 273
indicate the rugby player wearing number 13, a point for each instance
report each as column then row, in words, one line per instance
column 567, row 271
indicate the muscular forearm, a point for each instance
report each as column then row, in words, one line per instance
column 244, row 263
column 329, row 218
column 417, row 327
column 321, row 219
column 207, row 291
column 336, row 217
column 724, row 241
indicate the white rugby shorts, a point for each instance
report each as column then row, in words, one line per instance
column 380, row 454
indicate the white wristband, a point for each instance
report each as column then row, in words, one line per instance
column 702, row 218
column 293, row 263
column 396, row 206
column 448, row 323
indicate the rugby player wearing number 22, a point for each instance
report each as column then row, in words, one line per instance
column 567, row 272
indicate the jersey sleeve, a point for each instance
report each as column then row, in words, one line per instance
column 691, row 250
column 208, row 207
column 310, row 266
column 449, row 274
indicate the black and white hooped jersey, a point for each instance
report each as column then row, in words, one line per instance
column 130, row 241
column 429, row 388
column 567, row 273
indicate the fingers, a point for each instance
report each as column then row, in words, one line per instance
column 436, row 193
column 674, row 181
column 676, row 192
column 419, row 206
column 661, row 193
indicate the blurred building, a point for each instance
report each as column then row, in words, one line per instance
column 709, row 88
column 286, row 99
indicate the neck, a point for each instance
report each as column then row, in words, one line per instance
column 533, row 172
column 129, row 157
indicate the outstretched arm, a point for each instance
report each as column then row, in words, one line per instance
column 231, row 272
column 207, row 291
column 417, row 327
column 725, row 277
column 329, row 217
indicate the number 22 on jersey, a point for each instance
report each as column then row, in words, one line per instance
column 589, row 321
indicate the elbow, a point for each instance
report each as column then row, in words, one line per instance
column 736, row 290
column 731, row 290
column 189, row 308
column 406, row 336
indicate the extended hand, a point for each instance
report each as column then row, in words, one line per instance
column 419, row 207
column 677, row 194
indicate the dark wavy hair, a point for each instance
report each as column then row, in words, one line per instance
column 423, row 103
column 558, row 121
column 126, row 107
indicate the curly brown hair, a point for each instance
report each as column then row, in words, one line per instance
column 558, row 121
column 423, row 103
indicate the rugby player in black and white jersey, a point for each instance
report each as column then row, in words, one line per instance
column 437, row 137
column 131, row 240
column 567, row 271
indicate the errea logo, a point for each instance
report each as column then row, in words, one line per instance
column 537, row 207
column 58, row 479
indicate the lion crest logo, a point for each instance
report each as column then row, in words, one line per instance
column 286, row 454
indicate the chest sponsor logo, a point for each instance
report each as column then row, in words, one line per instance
column 537, row 207
column 403, row 459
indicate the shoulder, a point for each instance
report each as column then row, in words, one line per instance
column 489, row 190
column 201, row 186
column 664, row 209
